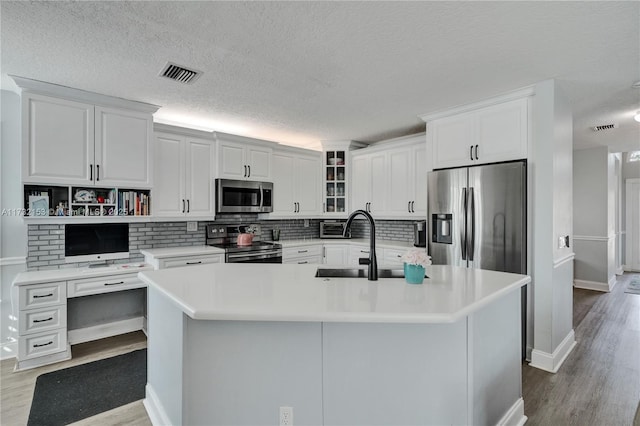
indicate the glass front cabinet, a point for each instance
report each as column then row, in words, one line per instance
column 336, row 175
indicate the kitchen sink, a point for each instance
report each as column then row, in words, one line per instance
column 357, row 273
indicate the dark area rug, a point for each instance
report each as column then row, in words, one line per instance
column 75, row 393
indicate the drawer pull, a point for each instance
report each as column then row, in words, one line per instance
column 194, row 263
column 40, row 296
column 302, row 251
column 43, row 320
column 118, row 283
column 364, row 251
column 44, row 344
column 398, row 255
column 303, row 262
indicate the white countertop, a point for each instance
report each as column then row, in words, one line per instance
column 165, row 252
column 265, row 292
column 50, row 275
column 360, row 241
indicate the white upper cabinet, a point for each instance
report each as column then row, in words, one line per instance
column 389, row 179
column 122, row 148
column 296, row 184
column 243, row 161
column 369, row 182
column 183, row 176
column 480, row 135
column 84, row 139
column 58, row 140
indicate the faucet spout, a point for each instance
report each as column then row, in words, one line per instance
column 372, row 262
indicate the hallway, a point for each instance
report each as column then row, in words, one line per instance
column 599, row 383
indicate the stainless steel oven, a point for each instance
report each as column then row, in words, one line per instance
column 241, row 196
column 226, row 237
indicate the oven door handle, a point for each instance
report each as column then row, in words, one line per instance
column 231, row 257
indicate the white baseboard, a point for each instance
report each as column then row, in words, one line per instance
column 514, row 416
column 594, row 285
column 9, row 350
column 620, row 270
column 96, row 332
column 552, row 362
column 612, row 282
column 154, row 408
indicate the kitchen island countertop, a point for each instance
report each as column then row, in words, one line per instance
column 262, row 292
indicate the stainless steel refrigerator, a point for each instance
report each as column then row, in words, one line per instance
column 477, row 218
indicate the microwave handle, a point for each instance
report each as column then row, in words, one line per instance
column 261, row 195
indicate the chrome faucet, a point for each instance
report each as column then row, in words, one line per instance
column 372, row 261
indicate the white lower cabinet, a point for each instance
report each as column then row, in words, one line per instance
column 42, row 321
column 357, row 252
column 176, row 262
column 391, row 257
column 311, row 254
column 335, row 254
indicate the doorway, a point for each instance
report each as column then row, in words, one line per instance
column 632, row 252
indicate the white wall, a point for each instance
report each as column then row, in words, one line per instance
column 551, row 158
column 13, row 235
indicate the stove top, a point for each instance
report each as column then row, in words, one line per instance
column 231, row 247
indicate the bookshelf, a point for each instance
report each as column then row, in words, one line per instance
column 79, row 202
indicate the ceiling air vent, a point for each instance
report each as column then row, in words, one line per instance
column 179, row 73
column 605, row 127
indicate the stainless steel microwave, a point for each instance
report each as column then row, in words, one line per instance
column 333, row 229
column 242, row 196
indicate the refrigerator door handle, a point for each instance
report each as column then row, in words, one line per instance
column 463, row 223
column 472, row 228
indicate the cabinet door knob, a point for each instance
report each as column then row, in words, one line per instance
column 476, row 152
column 183, row 205
column 90, row 171
column 97, row 172
column 188, row 206
column 245, row 171
column 471, row 152
column 412, row 204
column 409, row 206
column 249, row 167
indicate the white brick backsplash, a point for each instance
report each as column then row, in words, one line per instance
column 46, row 242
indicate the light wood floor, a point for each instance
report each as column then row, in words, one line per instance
column 599, row 383
column 16, row 388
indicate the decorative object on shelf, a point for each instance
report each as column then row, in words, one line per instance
column 84, row 196
column 60, row 209
column 275, row 234
column 38, row 205
column 100, row 199
column 415, row 263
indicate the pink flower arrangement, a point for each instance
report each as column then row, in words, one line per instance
column 417, row 256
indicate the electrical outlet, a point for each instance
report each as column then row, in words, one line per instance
column 192, row 226
column 286, row 416
column 306, row 223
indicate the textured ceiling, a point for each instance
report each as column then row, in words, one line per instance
column 302, row 72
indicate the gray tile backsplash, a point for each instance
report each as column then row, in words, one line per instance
column 46, row 242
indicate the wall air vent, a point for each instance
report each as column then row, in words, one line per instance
column 605, row 127
column 179, row 73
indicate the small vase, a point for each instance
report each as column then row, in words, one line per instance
column 413, row 274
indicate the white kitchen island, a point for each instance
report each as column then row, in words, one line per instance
column 230, row 344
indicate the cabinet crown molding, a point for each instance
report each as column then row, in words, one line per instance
column 183, row 131
column 56, row 90
column 220, row 136
column 388, row 144
column 509, row 96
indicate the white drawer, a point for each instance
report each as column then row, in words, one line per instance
column 42, row 319
column 175, row 262
column 358, row 252
column 312, row 260
column 41, row 295
column 290, row 254
column 35, row 345
column 85, row 287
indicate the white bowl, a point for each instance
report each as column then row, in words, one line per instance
column 332, row 161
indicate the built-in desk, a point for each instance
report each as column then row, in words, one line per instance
column 54, row 312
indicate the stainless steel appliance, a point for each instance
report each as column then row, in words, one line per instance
column 477, row 218
column 241, row 196
column 226, row 237
column 333, row 229
column 420, row 234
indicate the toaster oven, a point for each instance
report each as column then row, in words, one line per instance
column 333, row 229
